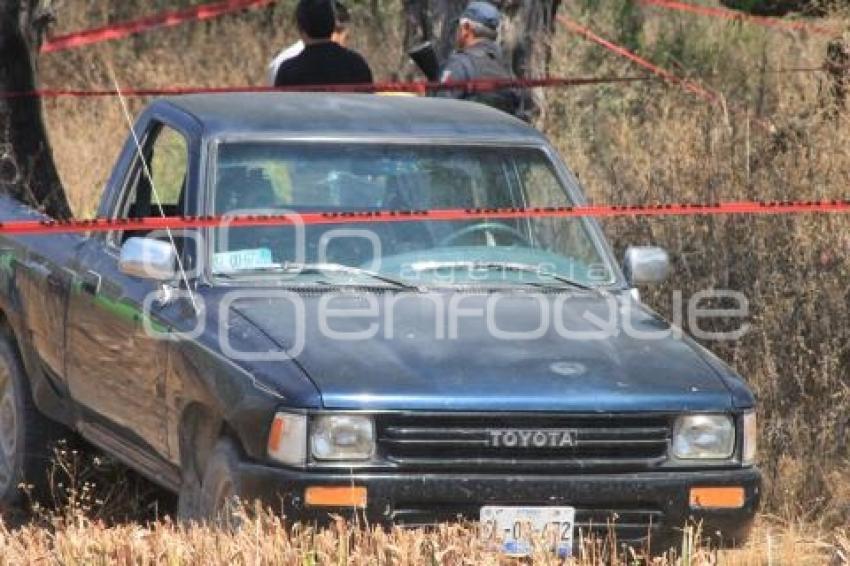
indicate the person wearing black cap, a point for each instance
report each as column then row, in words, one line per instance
column 340, row 36
column 323, row 61
column 478, row 57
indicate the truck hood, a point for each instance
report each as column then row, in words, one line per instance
column 412, row 354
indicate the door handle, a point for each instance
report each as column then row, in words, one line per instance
column 37, row 268
column 90, row 282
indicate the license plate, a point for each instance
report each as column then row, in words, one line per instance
column 513, row 529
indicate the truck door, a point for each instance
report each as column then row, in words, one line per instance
column 116, row 370
column 43, row 278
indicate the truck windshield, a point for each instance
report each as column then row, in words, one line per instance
column 289, row 178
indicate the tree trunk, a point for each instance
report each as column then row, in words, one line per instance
column 27, row 170
column 527, row 35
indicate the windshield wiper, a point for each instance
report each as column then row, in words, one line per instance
column 507, row 266
column 295, row 268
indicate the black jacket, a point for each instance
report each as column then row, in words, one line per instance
column 324, row 64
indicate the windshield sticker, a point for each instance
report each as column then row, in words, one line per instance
column 258, row 258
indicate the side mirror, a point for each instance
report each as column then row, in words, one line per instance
column 149, row 259
column 646, row 265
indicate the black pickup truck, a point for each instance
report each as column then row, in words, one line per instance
column 501, row 370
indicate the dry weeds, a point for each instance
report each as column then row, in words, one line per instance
column 265, row 538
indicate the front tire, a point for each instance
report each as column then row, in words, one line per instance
column 220, row 487
column 25, row 434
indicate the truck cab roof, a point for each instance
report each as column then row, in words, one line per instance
column 349, row 115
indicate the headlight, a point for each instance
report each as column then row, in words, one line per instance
column 703, row 437
column 343, row 437
column 288, row 439
column 748, row 453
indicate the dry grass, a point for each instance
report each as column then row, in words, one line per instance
column 267, row 539
column 775, row 137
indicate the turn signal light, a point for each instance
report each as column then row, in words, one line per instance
column 275, row 434
column 717, row 497
column 287, row 441
column 335, row 496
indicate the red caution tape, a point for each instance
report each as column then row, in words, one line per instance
column 415, row 87
column 164, row 19
column 49, row 226
column 687, row 85
column 727, row 14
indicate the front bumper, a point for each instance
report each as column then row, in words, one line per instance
column 633, row 505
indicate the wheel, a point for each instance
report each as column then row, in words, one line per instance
column 220, row 486
column 188, row 500
column 25, row 434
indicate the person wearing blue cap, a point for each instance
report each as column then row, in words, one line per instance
column 477, row 57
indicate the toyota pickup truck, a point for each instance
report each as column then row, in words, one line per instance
column 419, row 370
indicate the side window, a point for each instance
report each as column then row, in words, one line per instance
column 169, row 165
column 166, row 154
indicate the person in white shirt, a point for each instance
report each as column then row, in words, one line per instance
column 339, row 36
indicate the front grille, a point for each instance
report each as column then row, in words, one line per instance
column 464, row 443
